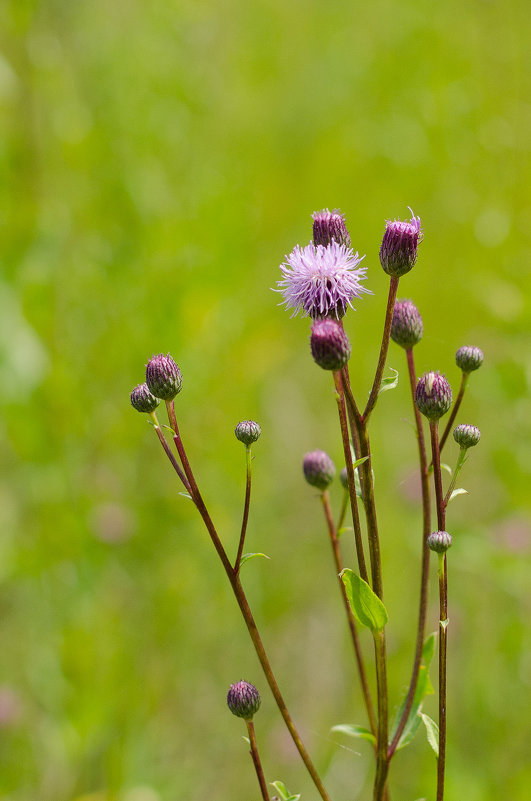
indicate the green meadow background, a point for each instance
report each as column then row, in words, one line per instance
column 157, row 160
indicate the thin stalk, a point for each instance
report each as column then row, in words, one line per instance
column 256, row 760
column 370, row 510
column 336, row 550
column 461, row 459
column 425, row 560
column 244, row 607
column 393, row 287
column 340, row 397
column 436, row 461
column 382, row 761
column 453, row 414
column 245, row 509
column 168, row 452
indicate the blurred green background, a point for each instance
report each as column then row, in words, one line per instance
column 157, row 161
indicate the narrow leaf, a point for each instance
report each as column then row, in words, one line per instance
column 352, row 730
column 247, row 556
column 186, row 495
column 390, row 382
column 367, row 607
column 432, row 732
column 456, row 492
column 424, row 687
column 359, row 461
column 446, row 467
column 285, row 794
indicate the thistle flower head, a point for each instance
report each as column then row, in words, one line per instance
column 329, row 226
column 319, row 469
column 163, row 377
column 398, row 251
column 330, row 345
column 439, row 541
column 469, row 358
column 143, row 400
column 433, row 395
column 467, row 436
column 406, row 326
column 243, row 700
column 247, row 431
column 321, row 281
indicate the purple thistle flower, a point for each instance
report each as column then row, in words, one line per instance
column 398, row 251
column 321, row 281
column 330, row 225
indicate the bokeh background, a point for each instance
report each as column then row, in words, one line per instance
column 157, row 161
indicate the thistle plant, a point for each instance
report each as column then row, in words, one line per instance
column 321, row 281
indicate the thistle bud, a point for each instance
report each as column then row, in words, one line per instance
column 330, row 225
column 330, row 345
column 439, row 541
column 469, row 358
column 343, row 477
column 319, row 469
column 163, row 377
column 433, row 395
column 247, row 431
column 398, row 251
column 143, row 400
column 406, row 326
column 243, row 700
column 467, row 436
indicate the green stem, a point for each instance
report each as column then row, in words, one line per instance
column 461, row 459
column 453, row 414
column 256, row 760
column 245, row 509
column 168, row 452
column 393, row 287
column 382, row 761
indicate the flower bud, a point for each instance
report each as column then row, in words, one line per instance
column 247, row 431
column 439, row 541
column 469, row 358
column 163, row 377
column 319, row 469
column 330, row 345
column 406, row 326
column 143, row 400
column 243, row 700
column 398, row 251
column 433, row 395
column 467, row 436
column 343, row 477
column 329, row 225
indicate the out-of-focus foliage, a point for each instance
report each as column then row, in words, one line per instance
column 157, row 160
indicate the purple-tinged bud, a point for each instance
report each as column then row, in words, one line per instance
column 330, row 345
column 398, row 251
column 163, row 377
column 343, row 477
column 433, row 395
column 247, row 431
column 330, row 225
column 467, row 436
column 243, row 700
column 406, row 326
column 143, row 400
column 469, row 358
column 319, row 469
column 439, row 541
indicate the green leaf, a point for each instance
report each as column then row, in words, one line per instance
column 456, row 492
column 285, row 794
column 357, row 463
column 247, row 556
column 424, row 687
column 186, row 495
column 352, row 730
column 432, row 732
column 389, row 383
column 446, row 467
column 367, row 607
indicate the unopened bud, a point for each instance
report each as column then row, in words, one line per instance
column 243, row 700
column 319, row 469
column 163, row 377
column 433, row 395
column 329, row 226
column 467, row 436
column 247, row 431
column 343, row 477
column 330, row 345
column 398, row 251
column 469, row 358
column 439, row 541
column 406, row 326
column 143, row 400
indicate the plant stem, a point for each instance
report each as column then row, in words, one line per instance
column 393, row 287
column 244, row 606
column 461, row 459
column 425, row 560
column 169, row 454
column 340, row 397
column 245, row 509
column 325, row 499
column 436, row 461
column 457, row 404
column 370, row 510
column 256, row 760
column 382, row 761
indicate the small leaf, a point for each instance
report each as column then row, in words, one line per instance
column 432, row 732
column 456, row 492
column 285, row 794
column 446, row 467
column 352, row 730
column 186, row 495
column 359, row 461
column 343, row 529
column 389, row 383
column 424, row 687
column 367, row 607
column 247, row 556
column 444, row 623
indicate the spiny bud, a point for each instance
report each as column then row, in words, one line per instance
column 329, row 225
column 247, row 431
column 467, row 436
column 343, row 477
column 398, row 251
column 469, row 358
column 439, row 541
column 330, row 345
column 433, row 395
column 143, row 400
column 243, row 700
column 406, row 326
column 163, row 377
column 319, row 469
